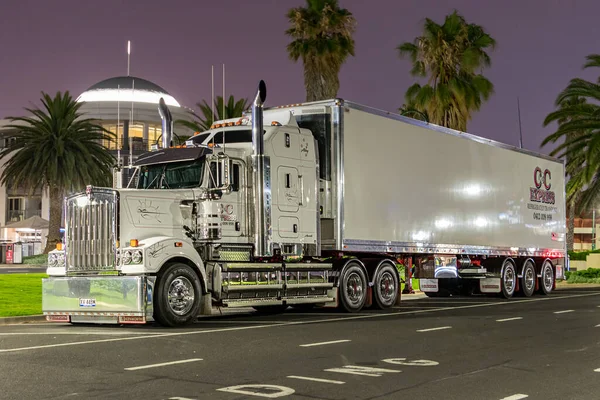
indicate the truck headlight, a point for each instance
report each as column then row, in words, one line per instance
column 126, row 257
column 52, row 260
column 136, row 257
column 60, row 259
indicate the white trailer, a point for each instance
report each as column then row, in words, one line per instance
column 308, row 205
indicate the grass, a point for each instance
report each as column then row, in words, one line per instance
column 21, row 294
column 40, row 259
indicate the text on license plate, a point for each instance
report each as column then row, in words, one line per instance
column 87, row 302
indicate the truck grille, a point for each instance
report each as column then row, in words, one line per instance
column 90, row 230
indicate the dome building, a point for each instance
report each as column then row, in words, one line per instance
column 128, row 107
column 124, row 105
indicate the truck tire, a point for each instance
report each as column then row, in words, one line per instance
column 177, row 295
column 547, row 278
column 386, row 287
column 528, row 279
column 353, row 287
column 508, row 282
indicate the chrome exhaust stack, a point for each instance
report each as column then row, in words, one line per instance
column 261, row 175
column 167, row 123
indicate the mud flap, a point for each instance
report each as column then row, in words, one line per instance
column 490, row 285
column 429, row 285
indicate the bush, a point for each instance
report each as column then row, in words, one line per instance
column 581, row 255
column 590, row 275
column 40, row 259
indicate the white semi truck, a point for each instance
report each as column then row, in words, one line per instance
column 308, row 205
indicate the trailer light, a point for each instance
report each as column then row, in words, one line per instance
column 59, row 246
column 133, row 243
column 118, row 244
column 178, row 244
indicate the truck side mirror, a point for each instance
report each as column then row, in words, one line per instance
column 220, row 178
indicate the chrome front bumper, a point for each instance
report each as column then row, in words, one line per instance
column 98, row 299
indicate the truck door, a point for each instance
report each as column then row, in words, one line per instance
column 232, row 213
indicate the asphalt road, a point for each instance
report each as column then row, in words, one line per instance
column 451, row 348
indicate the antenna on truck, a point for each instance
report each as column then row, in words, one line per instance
column 520, row 132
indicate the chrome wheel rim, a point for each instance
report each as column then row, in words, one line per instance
column 529, row 279
column 548, row 275
column 354, row 288
column 387, row 287
column 509, row 280
column 181, row 295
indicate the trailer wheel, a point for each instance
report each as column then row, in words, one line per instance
column 177, row 295
column 547, row 279
column 528, row 279
column 509, row 280
column 353, row 288
column 385, row 288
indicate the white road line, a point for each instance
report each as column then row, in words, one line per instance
column 563, row 311
column 509, row 319
column 434, row 329
column 597, row 370
column 307, row 378
column 162, row 364
column 324, row 343
column 314, row 321
column 82, row 333
column 515, row 397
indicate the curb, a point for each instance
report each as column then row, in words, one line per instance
column 26, row 319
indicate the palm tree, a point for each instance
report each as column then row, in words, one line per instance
column 322, row 38
column 450, row 56
column 574, row 166
column 56, row 149
column 579, row 125
column 203, row 122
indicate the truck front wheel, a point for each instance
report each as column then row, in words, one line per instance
column 177, row 295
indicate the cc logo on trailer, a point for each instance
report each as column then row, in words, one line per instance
column 542, row 178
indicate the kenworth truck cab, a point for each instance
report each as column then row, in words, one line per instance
column 199, row 225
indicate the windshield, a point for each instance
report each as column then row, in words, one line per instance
column 186, row 174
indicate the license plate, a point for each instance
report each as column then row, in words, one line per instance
column 87, row 302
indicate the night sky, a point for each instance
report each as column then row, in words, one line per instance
column 72, row 44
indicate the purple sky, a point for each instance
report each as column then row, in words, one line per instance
column 72, row 44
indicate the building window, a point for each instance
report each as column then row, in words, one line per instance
column 16, row 210
column 154, row 135
column 117, row 142
column 136, row 137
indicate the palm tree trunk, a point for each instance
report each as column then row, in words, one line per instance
column 571, row 211
column 570, row 227
column 56, row 202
